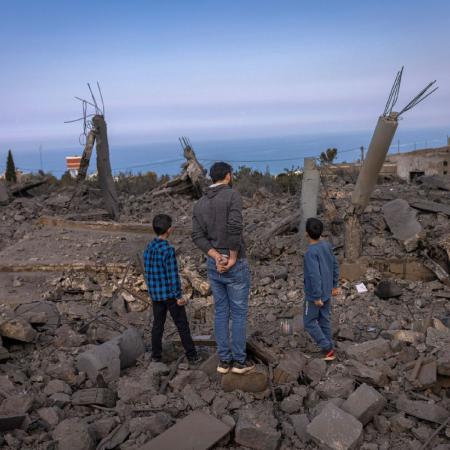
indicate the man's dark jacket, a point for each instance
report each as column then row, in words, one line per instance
column 217, row 221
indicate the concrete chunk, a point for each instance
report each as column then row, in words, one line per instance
column 255, row 381
column 369, row 350
column 364, row 403
column 182, row 435
column 290, row 368
column 107, row 359
column 18, row 329
column 17, row 404
column 300, row 423
column 10, row 422
column 335, row 429
column 422, row 410
column 443, row 363
column 95, row 396
column 336, row 387
column 73, row 434
column 368, row 374
column 401, row 219
column 256, row 428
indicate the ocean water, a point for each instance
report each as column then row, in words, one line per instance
column 274, row 154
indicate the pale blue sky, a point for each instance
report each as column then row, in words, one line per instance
column 217, row 69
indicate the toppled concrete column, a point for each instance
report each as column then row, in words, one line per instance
column 310, row 194
column 107, row 359
column 367, row 179
column 378, row 149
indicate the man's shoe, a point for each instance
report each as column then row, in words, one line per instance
column 156, row 359
column 241, row 368
column 224, row 367
column 194, row 360
column 329, row 356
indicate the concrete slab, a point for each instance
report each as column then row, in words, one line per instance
column 401, row 219
column 182, row 435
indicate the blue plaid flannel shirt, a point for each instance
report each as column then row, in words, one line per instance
column 161, row 271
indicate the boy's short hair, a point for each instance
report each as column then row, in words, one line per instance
column 314, row 228
column 219, row 171
column 161, row 223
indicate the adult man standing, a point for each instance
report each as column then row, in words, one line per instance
column 217, row 230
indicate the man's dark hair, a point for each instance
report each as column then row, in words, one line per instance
column 314, row 228
column 219, row 171
column 161, row 223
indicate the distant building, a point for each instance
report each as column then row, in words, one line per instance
column 429, row 161
column 73, row 165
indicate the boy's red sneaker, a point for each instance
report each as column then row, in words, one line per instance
column 329, row 356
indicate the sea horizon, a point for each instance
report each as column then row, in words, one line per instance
column 275, row 154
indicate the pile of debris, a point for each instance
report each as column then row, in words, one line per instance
column 75, row 321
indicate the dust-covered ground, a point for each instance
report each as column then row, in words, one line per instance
column 70, row 285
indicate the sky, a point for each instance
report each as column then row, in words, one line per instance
column 213, row 69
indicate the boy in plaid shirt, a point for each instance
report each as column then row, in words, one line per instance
column 164, row 287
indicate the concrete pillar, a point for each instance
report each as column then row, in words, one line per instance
column 310, row 194
column 376, row 154
column 367, row 179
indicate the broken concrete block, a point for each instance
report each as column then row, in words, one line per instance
column 408, row 336
column 55, row 386
column 256, row 428
column 95, row 396
column 192, row 398
column 10, row 422
column 107, row 359
column 210, row 366
column 73, row 434
column 155, row 425
column 255, row 381
column 63, row 370
column 428, row 374
column 422, row 410
column 65, row 336
column 102, row 360
column 399, row 423
column 48, row 308
column 17, row 404
column 292, row 404
column 4, row 354
column 51, row 415
column 102, row 427
column 401, row 219
column 364, row 403
column 335, row 429
column 315, row 370
column 388, row 289
column 182, row 437
column 196, row 378
column 443, row 363
column 18, row 329
column 59, row 399
column 367, row 374
column 369, row 350
column 437, row 338
column 336, row 387
column 132, row 389
column 300, row 423
column 289, row 368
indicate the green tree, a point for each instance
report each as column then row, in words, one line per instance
column 10, row 174
column 329, row 156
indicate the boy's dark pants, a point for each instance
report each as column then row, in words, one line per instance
column 317, row 322
column 179, row 317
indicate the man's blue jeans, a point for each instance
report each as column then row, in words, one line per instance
column 317, row 322
column 230, row 290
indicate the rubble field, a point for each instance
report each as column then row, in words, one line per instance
column 75, row 321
